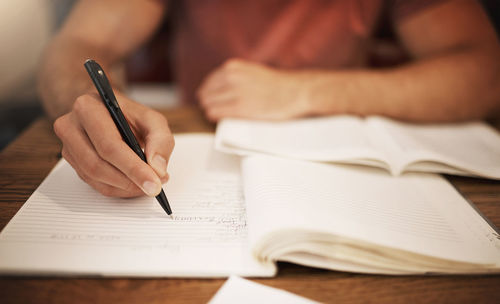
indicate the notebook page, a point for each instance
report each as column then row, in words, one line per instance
column 68, row 228
column 419, row 213
column 473, row 147
column 339, row 138
column 241, row 291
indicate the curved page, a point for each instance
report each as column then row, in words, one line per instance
column 421, row 214
column 68, row 228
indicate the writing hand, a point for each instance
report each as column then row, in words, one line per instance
column 249, row 90
column 94, row 147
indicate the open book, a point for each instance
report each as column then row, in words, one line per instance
column 463, row 148
column 235, row 216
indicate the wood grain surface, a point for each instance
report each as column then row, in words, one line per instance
column 26, row 162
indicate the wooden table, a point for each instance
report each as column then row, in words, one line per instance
column 26, row 162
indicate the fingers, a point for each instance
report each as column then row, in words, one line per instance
column 81, row 149
column 242, row 89
column 213, row 98
column 103, row 188
column 109, row 145
column 95, row 149
column 158, row 141
column 215, row 82
column 236, row 89
column 219, row 85
column 215, row 113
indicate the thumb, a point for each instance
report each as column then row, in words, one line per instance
column 158, row 142
column 153, row 131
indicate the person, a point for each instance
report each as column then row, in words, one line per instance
column 271, row 59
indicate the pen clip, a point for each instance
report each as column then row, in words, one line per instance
column 101, row 82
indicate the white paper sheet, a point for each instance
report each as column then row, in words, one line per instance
column 238, row 290
column 66, row 227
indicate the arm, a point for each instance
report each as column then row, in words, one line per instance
column 106, row 31
column 454, row 75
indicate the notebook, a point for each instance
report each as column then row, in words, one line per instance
column 240, row 216
column 241, row 291
column 471, row 149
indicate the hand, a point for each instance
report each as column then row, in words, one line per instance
column 94, row 147
column 249, row 90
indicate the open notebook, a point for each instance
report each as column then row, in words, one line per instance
column 321, row 215
column 461, row 148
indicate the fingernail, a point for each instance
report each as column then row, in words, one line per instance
column 160, row 165
column 150, row 188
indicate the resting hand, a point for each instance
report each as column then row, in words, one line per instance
column 249, row 90
column 94, row 148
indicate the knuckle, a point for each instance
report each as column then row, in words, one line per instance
column 232, row 63
column 138, row 169
column 83, row 177
column 132, row 190
column 107, row 149
column 80, row 103
column 130, row 187
column 59, row 126
column 156, row 117
column 106, row 190
column 165, row 178
column 93, row 167
column 83, row 103
column 229, row 78
column 232, row 78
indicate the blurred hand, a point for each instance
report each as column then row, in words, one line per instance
column 95, row 149
column 249, row 90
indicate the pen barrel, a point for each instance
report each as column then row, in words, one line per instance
column 109, row 99
column 126, row 132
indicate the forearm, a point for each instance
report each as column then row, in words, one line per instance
column 460, row 86
column 62, row 77
column 91, row 31
column 454, row 75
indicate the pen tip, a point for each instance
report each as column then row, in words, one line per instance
column 171, row 216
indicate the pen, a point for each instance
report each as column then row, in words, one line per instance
column 108, row 98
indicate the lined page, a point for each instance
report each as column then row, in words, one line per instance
column 471, row 148
column 67, row 227
column 339, row 138
column 419, row 213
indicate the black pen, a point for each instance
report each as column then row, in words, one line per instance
column 108, row 97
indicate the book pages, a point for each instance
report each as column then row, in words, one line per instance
column 66, row 227
column 354, row 212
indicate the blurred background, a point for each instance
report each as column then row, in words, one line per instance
column 27, row 25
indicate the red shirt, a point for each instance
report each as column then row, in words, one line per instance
column 294, row 34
